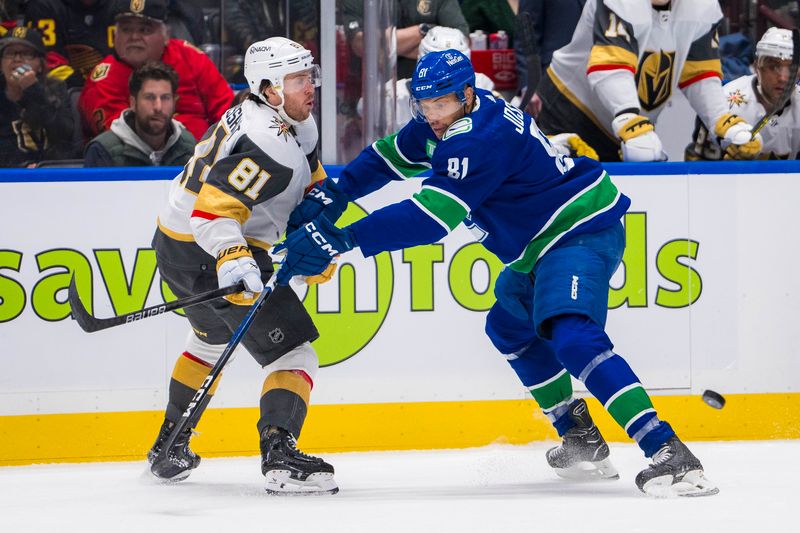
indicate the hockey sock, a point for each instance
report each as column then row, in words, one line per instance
column 284, row 401
column 586, row 351
column 535, row 363
column 187, row 377
column 548, row 382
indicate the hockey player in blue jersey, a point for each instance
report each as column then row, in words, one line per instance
column 555, row 224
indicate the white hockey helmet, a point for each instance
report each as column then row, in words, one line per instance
column 272, row 60
column 775, row 42
column 440, row 38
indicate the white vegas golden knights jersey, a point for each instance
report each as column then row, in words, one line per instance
column 661, row 49
column 246, row 176
column 781, row 135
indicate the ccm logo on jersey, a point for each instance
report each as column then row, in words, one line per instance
column 319, row 239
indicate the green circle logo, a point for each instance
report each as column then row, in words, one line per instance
column 350, row 309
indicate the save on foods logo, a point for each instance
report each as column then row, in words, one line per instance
column 350, row 310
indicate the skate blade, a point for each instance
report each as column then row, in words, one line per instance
column 693, row 485
column 589, row 471
column 177, row 478
column 170, row 480
column 280, row 483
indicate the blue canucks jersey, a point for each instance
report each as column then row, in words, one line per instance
column 494, row 171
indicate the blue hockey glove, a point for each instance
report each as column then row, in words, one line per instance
column 514, row 293
column 324, row 199
column 311, row 249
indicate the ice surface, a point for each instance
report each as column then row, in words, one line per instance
column 495, row 489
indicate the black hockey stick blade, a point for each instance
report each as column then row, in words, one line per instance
column 788, row 90
column 90, row 324
column 200, row 399
column 532, row 60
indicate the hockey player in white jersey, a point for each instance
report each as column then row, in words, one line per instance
column 625, row 60
column 229, row 205
column 751, row 97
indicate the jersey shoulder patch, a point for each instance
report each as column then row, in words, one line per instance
column 100, row 72
column 462, row 125
column 737, row 98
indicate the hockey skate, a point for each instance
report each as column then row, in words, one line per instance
column 180, row 460
column 583, row 453
column 289, row 471
column 675, row 471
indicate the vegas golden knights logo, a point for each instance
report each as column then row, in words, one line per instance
column 137, row 6
column 20, row 32
column 654, row 78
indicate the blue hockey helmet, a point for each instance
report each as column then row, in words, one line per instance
column 441, row 73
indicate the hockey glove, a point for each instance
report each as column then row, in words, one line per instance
column 235, row 264
column 736, row 137
column 571, row 145
column 324, row 277
column 514, row 293
column 310, row 250
column 324, row 198
column 639, row 142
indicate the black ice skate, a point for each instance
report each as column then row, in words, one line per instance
column 583, row 453
column 290, row 471
column 675, row 471
column 179, row 462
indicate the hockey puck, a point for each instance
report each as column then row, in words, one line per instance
column 714, row 399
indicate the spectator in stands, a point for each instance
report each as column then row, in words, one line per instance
column 552, row 25
column 248, row 21
column 77, row 34
column 752, row 96
column 491, row 16
column 414, row 19
column 36, row 122
column 186, row 22
column 146, row 134
column 203, row 94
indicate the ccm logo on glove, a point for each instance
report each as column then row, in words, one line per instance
column 319, row 239
column 320, row 194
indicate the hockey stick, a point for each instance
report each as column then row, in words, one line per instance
column 787, row 91
column 192, row 413
column 531, row 59
column 91, row 324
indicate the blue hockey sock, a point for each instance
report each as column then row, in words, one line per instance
column 586, row 351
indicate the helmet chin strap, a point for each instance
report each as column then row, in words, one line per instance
column 279, row 108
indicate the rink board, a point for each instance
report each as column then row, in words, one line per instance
column 706, row 299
